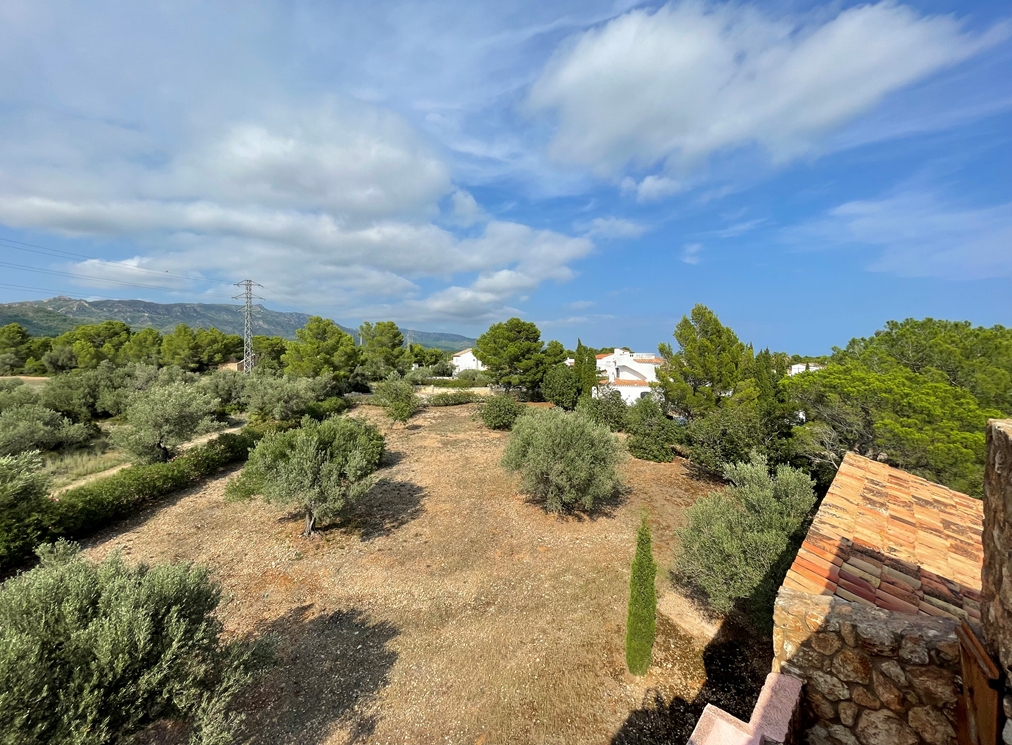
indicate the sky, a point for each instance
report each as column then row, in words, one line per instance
column 807, row 171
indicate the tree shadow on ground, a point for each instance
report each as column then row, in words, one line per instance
column 389, row 505
column 391, row 458
column 736, row 662
column 606, row 507
column 328, row 668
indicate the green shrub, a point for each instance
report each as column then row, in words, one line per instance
column 79, row 512
column 451, row 382
column 230, row 387
column 318, row 467
column 561, row 387
column 161, row 419
column 606, row 408
column 453, row 398
column 23, row 491
column 287, row 398
column 34, row 427
column 651, row 433
column 642, row 619
column 736, row 538
column 500, row 411
column 563, row 459
column 728, row 435
column 397, row 396
column 328, row 407
column 93, row 653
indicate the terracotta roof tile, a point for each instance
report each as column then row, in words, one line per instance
column 888, row 538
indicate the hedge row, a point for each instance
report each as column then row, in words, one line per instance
column 449, row 383
column 84, row 510
column 453, row 398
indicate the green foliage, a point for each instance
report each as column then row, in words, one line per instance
column 727, row 435
column 466, row 378
column 563, row 459
column 511, row 353
column 93, row 344
column 976, row 359
column 914, row 422
column 383, row 350
column 144, row 347
column 268, row 351
column 23, row 491
column 705, row 373
column 737, row 538
column 606, row 408
column 230, row 387
column 163, row 418
column 111, row 648
column 321, row 347
column 585, row 369
column 641, row 624
column 561, row 386
column 651, row 433
column 283, row 399
column 81, row 511
column 453, row 398
column 397, row 397
column 34, row 427
column 180, row 348
column 431, row 357
column 328, row 407
column 500, row 411
column 318, row 468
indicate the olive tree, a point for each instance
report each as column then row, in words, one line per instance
column 317, row 468
column 163, row 418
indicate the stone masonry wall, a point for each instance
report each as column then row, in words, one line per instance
column 996, row 595
column 872, row 676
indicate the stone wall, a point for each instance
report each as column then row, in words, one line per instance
column 872, row 676
column 996, row 605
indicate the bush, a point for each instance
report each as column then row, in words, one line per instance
column 34, row 427
column 651, row 433
column 642, row 620
column 561, row 387
column 606, row 408
column 728, row 435
column 450, row 382
column 397, row 397
column 318, row 467
column 453, row 398
column 23, row 491
column 470, row 376
column 737, row 539
column 563, row 459
column 111, row 648
column 288, row 398
column 327, row 408
column 162, row 419
column 230, row 387
column 500, row 411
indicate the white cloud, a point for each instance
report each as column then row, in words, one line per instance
column 582, row 304
column 690, row 254
column 465, row 210
column 920, row 234
column 611, row 227
column 652, row 188
column 688, row 80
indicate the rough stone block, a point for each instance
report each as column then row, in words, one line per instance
column 853, row 666
column 888, row 693
column 894, row 671
column 933, row 685
column 848, row 713
column 882, row 727
column 913, row 651
column 822, row 706
column 826, row 643
column 847, row 632
column 932, row 726
column 876, row 640
column 842, row 735
column 832, row 688
column 863, row 698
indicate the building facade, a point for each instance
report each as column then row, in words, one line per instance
column 630, row 373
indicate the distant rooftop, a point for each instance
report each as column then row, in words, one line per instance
column 887, row 538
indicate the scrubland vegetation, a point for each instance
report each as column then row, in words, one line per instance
column 916, row 395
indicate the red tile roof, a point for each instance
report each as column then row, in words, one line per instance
column 630, row 381
column 887, row 538
column 462, row 351
column 602, row 356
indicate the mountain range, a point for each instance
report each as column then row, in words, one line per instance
column 59, row 314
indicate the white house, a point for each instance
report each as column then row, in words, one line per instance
column 805, row 366
column 465, row 360
column 630, row 373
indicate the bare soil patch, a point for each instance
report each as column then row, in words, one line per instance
column 448, row 608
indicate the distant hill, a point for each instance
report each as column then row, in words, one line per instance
column 59, row 314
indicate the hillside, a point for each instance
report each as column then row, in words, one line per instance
column 56, row 315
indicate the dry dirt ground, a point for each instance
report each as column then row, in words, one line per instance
column 447, row 608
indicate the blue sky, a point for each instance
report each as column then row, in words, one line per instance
column 807, row 171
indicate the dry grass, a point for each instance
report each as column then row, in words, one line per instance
column 65, row 469
column 447, row 608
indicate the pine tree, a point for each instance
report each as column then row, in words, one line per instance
column 642, row 622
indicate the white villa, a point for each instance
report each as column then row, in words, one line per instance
column 804, row 367
column 465, row 360
column 631, row 373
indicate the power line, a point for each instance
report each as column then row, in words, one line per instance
column 248, row 360
column 54, row 272
column 60, row 253
column 46, row 290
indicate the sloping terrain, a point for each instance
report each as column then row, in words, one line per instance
column 56, row 315
column 448, row 608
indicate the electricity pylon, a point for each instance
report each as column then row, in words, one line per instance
column 248, row 360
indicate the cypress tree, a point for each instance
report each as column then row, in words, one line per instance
column 642, row 622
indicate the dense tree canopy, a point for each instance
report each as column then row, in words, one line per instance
column 321, row 347
column 383, row 350
column 512, row 354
